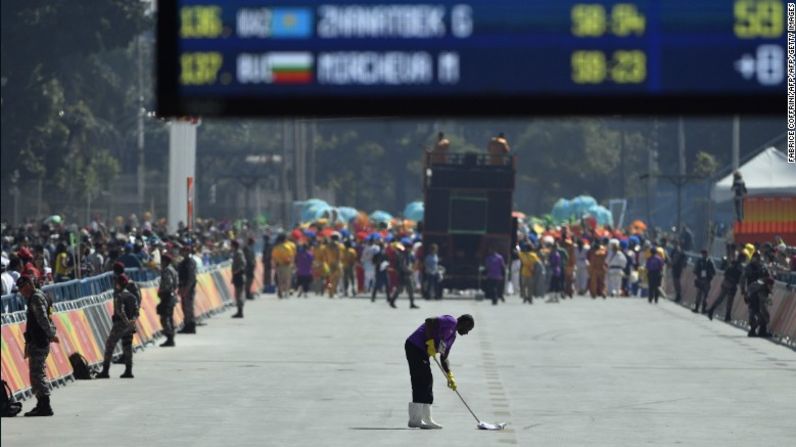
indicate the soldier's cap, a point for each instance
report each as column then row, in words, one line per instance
column 118, row 267
column 23, row 280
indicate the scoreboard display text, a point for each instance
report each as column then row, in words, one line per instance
column 247, row 57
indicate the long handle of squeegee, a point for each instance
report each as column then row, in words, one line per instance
column 457, row 392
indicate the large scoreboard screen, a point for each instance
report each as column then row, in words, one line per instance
column 482, row 57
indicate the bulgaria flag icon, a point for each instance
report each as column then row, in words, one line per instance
column 290, row 68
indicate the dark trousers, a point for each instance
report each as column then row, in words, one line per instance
column 304, row 283
column 381, row 282
column 186, row 300
column 405, row 283
column 249, row 281
column 758, row 313
column 238, row 281
column 349, row 280
column 420, row 373
column 738, row 201
column 37, row 361
column 167, row 320
column 703, row 289
column 431, row 287
column 492, row 290
column 655, row 284
column 123, row 332
column 266, row 273
column 729, row 293
column 678, row 287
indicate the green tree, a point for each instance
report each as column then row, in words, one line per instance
column 60, row 94
column 705, row 164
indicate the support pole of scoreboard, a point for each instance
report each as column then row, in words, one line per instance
column 182, row 166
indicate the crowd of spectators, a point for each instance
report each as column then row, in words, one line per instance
column 54, row 251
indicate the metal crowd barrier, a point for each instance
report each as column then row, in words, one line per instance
column 94, row 285
column 787, row 278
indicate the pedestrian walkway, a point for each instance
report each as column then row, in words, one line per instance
column 322, row 372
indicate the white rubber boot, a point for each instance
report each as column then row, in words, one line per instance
column 415, row 415
column 427, row 422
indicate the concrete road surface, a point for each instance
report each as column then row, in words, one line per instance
column 322, row 372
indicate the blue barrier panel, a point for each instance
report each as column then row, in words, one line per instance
column 94, row 285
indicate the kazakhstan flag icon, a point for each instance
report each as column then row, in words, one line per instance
column 290, row 23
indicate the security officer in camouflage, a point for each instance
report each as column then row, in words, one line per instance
column 251, row 264
column 118, row 269
column 238, row 276
column 167, row 292
column 125, row 314
column 756, row 284
column 186, row 273
column 39, row 333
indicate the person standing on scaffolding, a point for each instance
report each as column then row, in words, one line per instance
column 439, row 155
column 498, row 148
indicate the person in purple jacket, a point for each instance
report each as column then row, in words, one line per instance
column 434, row 336
column 654, row 274
column 495, row 272
column 304, row 260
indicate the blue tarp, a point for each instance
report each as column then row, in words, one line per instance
column 414, row 211
column 380, row 216
column 346, row 214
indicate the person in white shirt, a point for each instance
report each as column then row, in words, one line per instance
column 7, row 281
column 616, row 262
column 582, row 267
column 367, row 264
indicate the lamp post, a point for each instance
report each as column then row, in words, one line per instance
column 15, row 194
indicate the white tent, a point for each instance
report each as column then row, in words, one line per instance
column 768, row 173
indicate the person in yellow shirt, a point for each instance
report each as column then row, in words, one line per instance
column 349, row 264
column 528, row 260
column 320, row 269
column 334, row 258
column 62, row 271
column 282, row 258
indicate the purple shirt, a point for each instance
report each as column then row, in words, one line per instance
column 304, row 263
column 443, row 339
column 495, row 266
column 654, row 264
column 555, row 262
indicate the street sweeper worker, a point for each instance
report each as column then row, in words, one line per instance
column 434, row 336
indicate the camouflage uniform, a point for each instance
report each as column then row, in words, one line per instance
column 125, row 313
column 39, row 332
column 238, row 277
column 251, row 264
column 756, row 296
column 166, row 293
